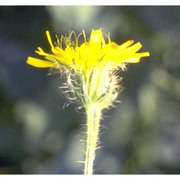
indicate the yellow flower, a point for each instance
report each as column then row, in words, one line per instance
column 90, row 66
column 88, row 54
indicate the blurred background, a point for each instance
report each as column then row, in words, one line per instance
column 140, row 136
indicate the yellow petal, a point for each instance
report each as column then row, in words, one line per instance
column 132, row 49
column 41, row 52
column 96, row 37
column 49, row 39
column 144, row 54
column 136, row 57
column 39, row 63
column 126, row 44
column 132, row 60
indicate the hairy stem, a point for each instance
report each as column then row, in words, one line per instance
column 93, row 122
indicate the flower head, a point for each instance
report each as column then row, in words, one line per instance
column 90, row 67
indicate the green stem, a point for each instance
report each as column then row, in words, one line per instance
column 93, row 122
